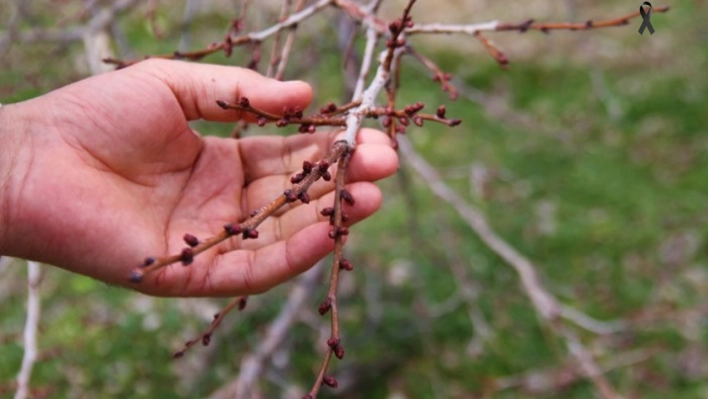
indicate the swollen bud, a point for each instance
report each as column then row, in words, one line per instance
column 347, row 197
column 304, row 197
column 325, row 306
column 242, row 302
column 346, row 265
column 186, row 256
column 232, row 229
column 330, row 381
column 190, row 240
column 250, row 233
column 440, row 113
column 289, row 195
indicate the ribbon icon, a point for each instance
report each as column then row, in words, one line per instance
column 647, row 19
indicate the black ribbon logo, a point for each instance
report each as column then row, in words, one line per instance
column 647, row 19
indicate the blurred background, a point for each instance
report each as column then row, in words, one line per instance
column 588, row 156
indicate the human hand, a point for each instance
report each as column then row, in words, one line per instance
column 106, row 171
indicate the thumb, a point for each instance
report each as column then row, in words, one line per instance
column 197, row 87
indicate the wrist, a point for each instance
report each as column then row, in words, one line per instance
column 13, row 129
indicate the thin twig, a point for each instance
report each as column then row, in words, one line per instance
column 253, row 363
column 34, row 275
column 472, row 29
column 288, row 46
column 247, row 228
column 331, row 304
column 205, row 338
column 226, row 45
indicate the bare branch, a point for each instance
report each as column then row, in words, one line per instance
column 253, row 363
column 34, row 275
column 472, row 29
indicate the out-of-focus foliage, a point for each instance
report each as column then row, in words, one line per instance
column 589, row 156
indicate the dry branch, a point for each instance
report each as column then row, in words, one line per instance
column 34, row 276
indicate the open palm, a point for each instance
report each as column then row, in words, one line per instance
column 109, row 171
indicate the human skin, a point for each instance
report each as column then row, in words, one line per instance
column 99, row 174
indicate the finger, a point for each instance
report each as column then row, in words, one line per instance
column 367, row 201
column 246, row 272
column 370, row 162
column 267, row 156
column 255, row 271
column 197, row 87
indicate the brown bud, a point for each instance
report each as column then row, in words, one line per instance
column 418, row 121
column 282, row 122
column 413, row 108
column 440, row 113
column 289, row 195
column 395, row 26
column 232, row 229
column 186, row 256
column 297, row 178
column 206, row 339
column 244, row 102
column 346, row 265
column 328, row 108
column 338, row 231
column 329, row 211
column 242, row 302
column 323, row 166
column 454, row 122
column 325, row 306
column 347, row 197
column 339, row 352
column 261, row 121
column 326, row 176
column 190, row 240
column 148, row 261
column 330, row 381
column 333, row 342
column 307, row 167
column 306, row 128
column 304, row 197
column 250, row 233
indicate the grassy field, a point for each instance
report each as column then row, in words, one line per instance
column 588, row 156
